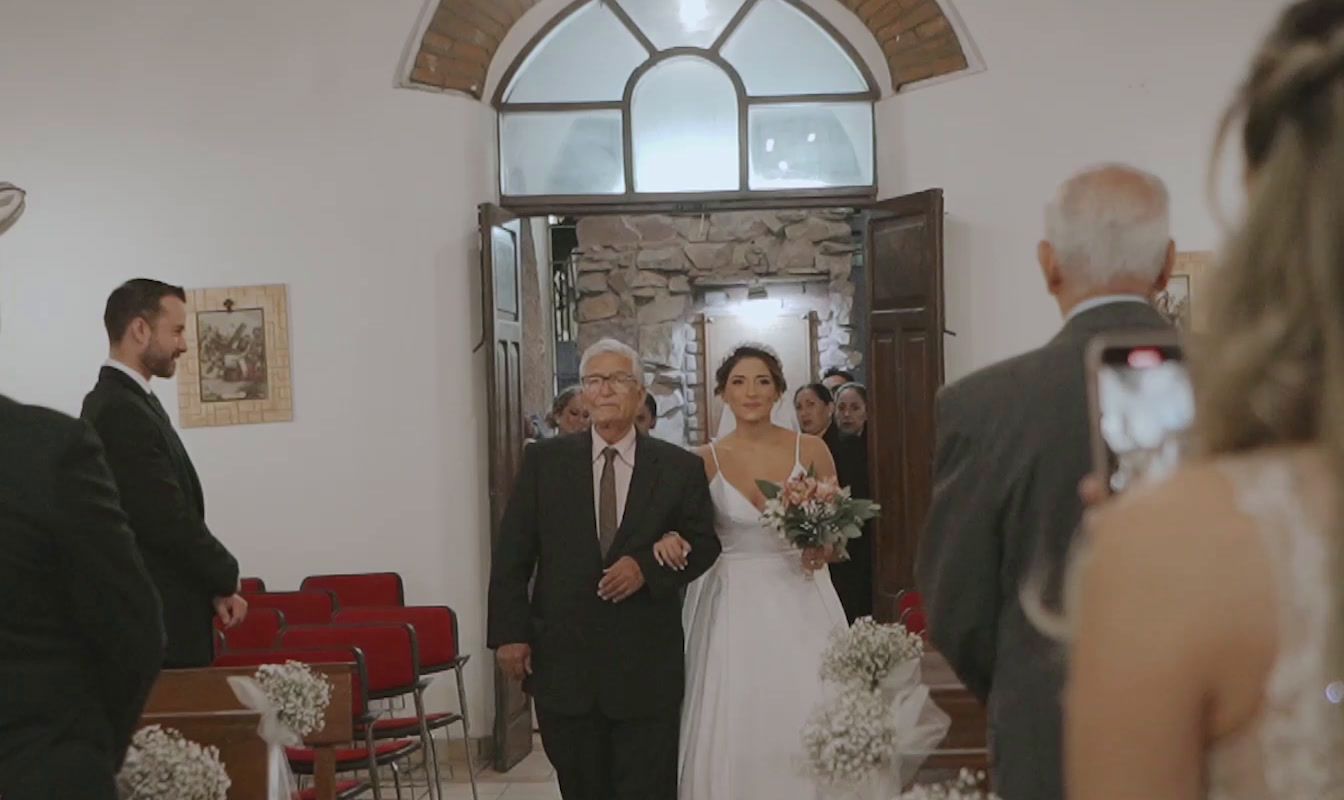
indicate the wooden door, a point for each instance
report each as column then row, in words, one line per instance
column 501, row 243
column 904, row 261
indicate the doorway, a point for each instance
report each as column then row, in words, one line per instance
column 867, row 278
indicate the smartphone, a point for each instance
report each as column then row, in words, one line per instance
column 1142, row 406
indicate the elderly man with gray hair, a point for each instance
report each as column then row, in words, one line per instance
column 1013, row 444
column 598, row 643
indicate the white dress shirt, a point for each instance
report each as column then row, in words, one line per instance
column 623, row 464
column 139, row 379
column 1104, row 300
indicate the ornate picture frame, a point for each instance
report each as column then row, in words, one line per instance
column 236, row 370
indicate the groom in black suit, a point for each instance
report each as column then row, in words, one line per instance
column 196, row 575
column 599, row 642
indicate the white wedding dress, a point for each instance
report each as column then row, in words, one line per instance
column 1292, row 751
column 756, row 627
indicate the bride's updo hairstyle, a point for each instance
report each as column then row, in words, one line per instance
column 1271, row 371
column 743, row 352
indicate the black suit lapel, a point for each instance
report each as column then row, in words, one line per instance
column 118, row 381
column 637, row 498
column 581, row 491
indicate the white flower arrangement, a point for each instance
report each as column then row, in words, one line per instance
column 965, row 787
column 850, row 737
column 161, row 764
column 866, row 652
column 299, row 695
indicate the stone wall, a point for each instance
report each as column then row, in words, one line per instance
column 646, row 279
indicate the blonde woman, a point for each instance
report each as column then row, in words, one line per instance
column 1209, row 652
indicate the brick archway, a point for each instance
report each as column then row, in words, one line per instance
column 463, row 36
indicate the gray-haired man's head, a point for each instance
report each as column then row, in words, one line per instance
column 613, row 383
column 1107, row 231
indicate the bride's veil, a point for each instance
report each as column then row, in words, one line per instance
column 783, row 414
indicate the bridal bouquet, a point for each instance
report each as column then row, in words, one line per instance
column 811, row 512
column 163, row 765
column 865, row 653
column 965, row 787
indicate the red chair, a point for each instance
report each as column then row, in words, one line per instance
column 367, row 758
column 360, row 589
column 299, row 608
column 257, row 631
column 437, row 636
column 914, row 621
column 391, row 654
column 251, row 585
column 907, row 600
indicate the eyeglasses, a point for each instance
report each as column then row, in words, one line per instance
column 618, row 381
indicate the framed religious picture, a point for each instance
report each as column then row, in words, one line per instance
column 236, row 370
column 1182, row 301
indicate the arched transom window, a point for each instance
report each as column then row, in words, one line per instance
column 622, row 100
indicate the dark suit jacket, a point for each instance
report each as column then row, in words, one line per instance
column 623, row 660
column 1013, row 444
column 853, row 578
column 163, row 498
column 81, row 637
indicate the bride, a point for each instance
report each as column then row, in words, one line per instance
column 758, row 621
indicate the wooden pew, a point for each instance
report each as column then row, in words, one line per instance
column 241, row 750
column 204, row 690
column 966, row 742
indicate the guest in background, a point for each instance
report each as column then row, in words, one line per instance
column 569, row 413
column 1208, row 648
column 1012, row 447
column 851, row 409
column 196, row 575
column 815, row 409
column 647, row 418
column 853, row 578
column 81, row 632
column 835, row 377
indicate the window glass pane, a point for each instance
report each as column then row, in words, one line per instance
column 682, row 23
column 684, row 116
column 571, row 152
column 810, row 63
column 811, row 145
column 587, row 58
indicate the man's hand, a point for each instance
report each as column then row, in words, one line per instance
column 515, row 660
column 620, row 580
column 231, row 610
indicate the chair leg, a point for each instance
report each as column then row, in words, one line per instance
column 373, row 763
column 466, row 727
column 427, row 748
column 396, row 778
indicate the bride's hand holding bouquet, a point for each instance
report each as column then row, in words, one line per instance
column 815, row 515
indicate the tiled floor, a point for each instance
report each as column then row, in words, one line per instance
column 532, row 779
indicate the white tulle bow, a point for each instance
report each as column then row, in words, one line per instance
column 280, row 780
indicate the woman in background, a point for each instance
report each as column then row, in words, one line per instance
column 1209, row 651
column 568, row 413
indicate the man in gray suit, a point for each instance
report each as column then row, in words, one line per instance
column 1013, row 445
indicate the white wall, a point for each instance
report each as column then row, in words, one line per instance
column 224, row 143
column 1069, row 84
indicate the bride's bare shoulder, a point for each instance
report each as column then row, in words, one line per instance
column 706, row 457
